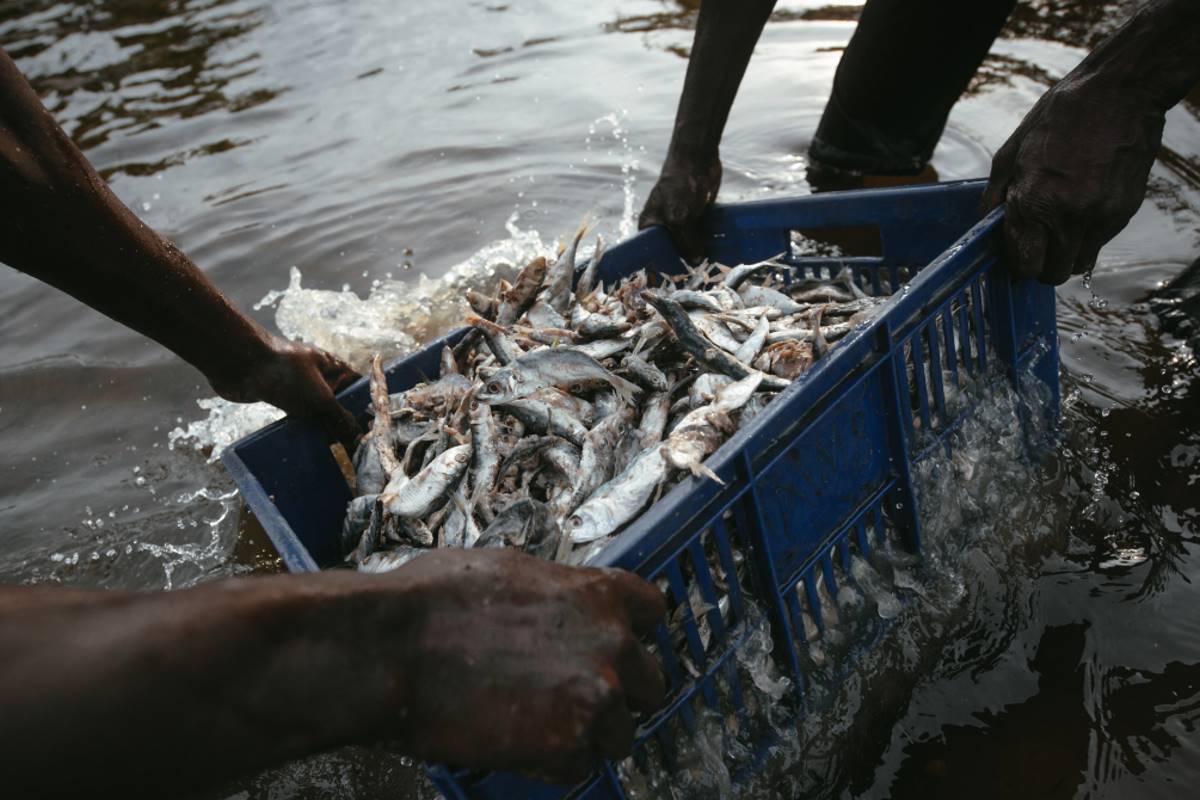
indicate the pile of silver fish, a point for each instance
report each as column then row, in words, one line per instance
column 569, row 405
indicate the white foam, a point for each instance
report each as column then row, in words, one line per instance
column 394, row 319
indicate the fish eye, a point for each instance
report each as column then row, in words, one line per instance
column 461, row 458
column 576, row 521
column 520, row 378
column 493, row 387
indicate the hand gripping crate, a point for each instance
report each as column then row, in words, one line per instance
column 821, row 477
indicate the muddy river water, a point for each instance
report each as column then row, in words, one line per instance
column 327, row 163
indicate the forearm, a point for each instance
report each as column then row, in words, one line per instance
column 156, row 693
column 64, row 226
column 726, row 33
column 1155, row 55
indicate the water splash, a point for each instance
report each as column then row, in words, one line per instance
column 630, row 165
column 392, row 320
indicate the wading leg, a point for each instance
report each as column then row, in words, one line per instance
column 905, row 66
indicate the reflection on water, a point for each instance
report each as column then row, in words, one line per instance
column 120, row 69
column 378, row 147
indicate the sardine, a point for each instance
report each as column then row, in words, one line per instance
column 692, row 299
column 619, row 500
column 762, row 296
column 714, row 330
column 558, row 281
column 565, row 368
column 595, row 461
column 540, row 416
column 604, row 348
column 499, row 342
column 381, row 427
column 654, row 417
column 643, row 373
column 370, row 476
column 587, row 281
column 517, row 300
column 448, row 364
column 428, row 489
column 705, row 387
column 541, row 315
column 371, row 536
column 703, row 429
column 525, row 524
column 485, row 453
column 701, row 349
column 737, row 275
column 389, row 560
column 358, row 516
column 754, row 342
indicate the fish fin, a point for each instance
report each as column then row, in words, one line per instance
column 701, row 471
column 624, row 389
column 820, row 345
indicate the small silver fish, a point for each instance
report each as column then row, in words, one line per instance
column 560, row 276
column 565, row 368
column 763, row 296
column 619, row 500
column 485, row 453
column 541, row 416
column 526, row 524
column 389, row 560
column 430, row 488
column 754, row 342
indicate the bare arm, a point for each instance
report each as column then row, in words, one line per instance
column 726, row 33
column 485, row 659
column 1074, row 172
column 64, row 226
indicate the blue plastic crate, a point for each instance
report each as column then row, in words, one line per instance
column 822, row 474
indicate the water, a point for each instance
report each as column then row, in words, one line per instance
column 367, row 145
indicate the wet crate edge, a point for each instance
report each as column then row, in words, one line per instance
column 818, row 478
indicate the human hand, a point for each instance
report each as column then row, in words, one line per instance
column 685, row 188
column 1072, row 175
column 302, row 381
column 520, row 664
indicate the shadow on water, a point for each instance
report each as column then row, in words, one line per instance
column 1044, row 739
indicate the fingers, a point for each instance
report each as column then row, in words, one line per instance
column 1061, row 255
column 641, row 678
column 337, row 373
column 1025, row 243
column 1089, row 251
column 613, row 730
column 1001, row 176
column 340, row 425
column 685, row 234
column 644, row 604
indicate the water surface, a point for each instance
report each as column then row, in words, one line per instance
column 375, row 147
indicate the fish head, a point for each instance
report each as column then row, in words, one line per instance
column 502, row 386
column 588, row 523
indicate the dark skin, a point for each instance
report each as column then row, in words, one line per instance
column 726, row 32
column 483, row 659
column 1072, row 174
column 479, row 658
column 63, row 225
